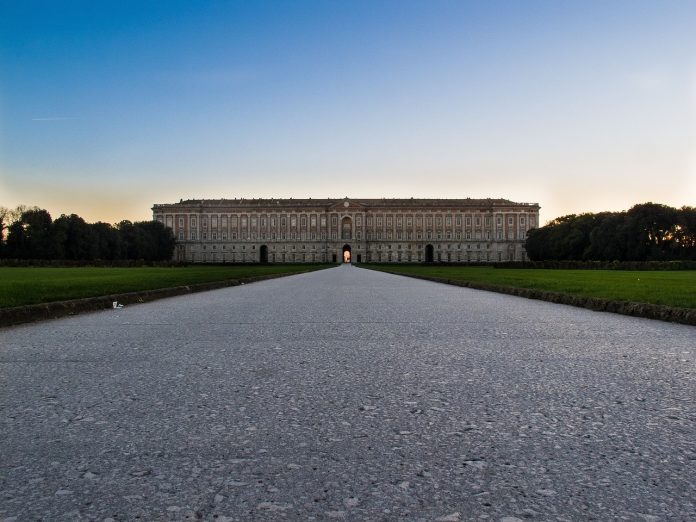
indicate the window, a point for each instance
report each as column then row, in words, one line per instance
column 399, row 222
column 244, row 221
column 303, row 221
column 510, row 220
column 419, row 221
column 283, row 223
column 459, row 220
column 379, row 221
column 358, row 221
column 409, row 221
column 429, row 221
column 499, row 221
column 439, row 221
column 389, row 221
column 478, row 221
column 313, row 221
column 181, row 234
column 193, row 234
column 521, row 220
column 468, row 221
column 234, row 221
column 293, row 221
column 181, row 222
column 448, row 221
column 253, row 221
column 193, row 222
column 323, row 221
column 204, row 222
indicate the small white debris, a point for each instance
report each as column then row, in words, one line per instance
column 452, row 517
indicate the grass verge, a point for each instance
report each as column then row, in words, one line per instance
column 27, row 286
column 668, row 288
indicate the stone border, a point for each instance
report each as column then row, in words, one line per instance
column 57, row 309
column 598, row 304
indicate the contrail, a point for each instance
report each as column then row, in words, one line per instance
column 52, row 119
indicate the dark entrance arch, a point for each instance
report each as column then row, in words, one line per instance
column 263, row 256
column 346, row 254
column 429, row 256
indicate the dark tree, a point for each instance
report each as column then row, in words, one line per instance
column 108, row 241
column 75, row 239
column 651, row 229
column 31, row 236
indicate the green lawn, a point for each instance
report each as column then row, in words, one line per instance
column 672, row 288
column 22, row 286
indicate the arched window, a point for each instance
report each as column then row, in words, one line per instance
column 346, row 228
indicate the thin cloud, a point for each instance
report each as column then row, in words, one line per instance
column 53, row 119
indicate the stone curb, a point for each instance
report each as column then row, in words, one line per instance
column 57, row 309
column 645, row 310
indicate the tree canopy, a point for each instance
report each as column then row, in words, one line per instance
column 645, row 232
column 31, row 233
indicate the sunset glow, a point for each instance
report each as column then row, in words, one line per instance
column 109, row 107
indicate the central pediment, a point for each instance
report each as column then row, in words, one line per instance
column 347, row 204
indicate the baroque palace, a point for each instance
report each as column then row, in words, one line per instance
column 348, row 230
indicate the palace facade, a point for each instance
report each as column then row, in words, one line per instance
column 348, row 230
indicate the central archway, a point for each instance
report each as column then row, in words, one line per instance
column 263, row 255
column 429, row 254
column 346, row 254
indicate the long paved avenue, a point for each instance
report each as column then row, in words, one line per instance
column 348, row 394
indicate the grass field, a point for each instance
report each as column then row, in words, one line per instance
column 671, row 288
column 22, row 286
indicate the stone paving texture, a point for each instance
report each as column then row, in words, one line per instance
column 352, row 395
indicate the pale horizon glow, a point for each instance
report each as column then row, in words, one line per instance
column 108, row 108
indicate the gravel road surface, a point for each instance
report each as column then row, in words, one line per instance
column 348, row 394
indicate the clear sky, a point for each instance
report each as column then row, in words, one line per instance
column 108, row 107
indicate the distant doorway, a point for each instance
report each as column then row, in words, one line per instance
column 346, row 253
column 429, row 256
column 263, row 254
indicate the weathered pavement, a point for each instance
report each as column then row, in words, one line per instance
column 348, row 394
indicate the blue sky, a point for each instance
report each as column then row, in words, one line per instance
column 108, row 107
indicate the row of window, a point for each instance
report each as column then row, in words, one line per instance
column 346, row 235
column 275, row 257
column 379, row 221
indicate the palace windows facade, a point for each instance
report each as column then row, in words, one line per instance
column 237, row 230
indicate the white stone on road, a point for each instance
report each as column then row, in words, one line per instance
column 348, row 394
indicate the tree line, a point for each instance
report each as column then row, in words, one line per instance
column 645, row 232
column 31, row 233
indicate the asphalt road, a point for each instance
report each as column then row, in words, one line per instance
column 348, row 394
